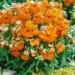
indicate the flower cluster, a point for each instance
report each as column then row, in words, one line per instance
column 33, row 25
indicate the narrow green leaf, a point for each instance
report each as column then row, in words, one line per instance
column 30, row 67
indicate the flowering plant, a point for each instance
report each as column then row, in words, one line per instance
column 32, row 36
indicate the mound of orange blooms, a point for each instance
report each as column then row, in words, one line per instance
column 34, row 22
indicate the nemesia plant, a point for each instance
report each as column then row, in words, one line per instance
column 31, row 31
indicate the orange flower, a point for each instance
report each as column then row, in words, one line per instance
column 48, row 17
column 25, row 32
column 46, row 4
column 49, row 34
column 20, row 46
column 51, row 53
column 15, row 53
column 67, row 2
column 28, row 29
column 5, row 19
column 60, row 47
column 33, row 7
column 38, row 7
column 34, row 42
column 33, row 53
column 74, row 1
column 44, row 55
column 63, row 32
column 21, row 16
column 61, row 29
column 13, row 48
column 38, row 18
column 59, row 6
column 25, row 56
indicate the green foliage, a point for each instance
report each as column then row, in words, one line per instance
column 1, row 3
column 8, row 35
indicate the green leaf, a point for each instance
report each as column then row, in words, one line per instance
column 6, row 6
column 1, row 3
column 8, row 35
column 4, row 51
column 30, row 67
column 46, row 68
column 9, row 1
column 61, row 39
